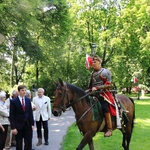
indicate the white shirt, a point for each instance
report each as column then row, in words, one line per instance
column 20, row 98
column 41, row 101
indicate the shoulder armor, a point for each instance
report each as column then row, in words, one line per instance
column 106, row 74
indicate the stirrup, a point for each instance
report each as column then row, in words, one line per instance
column 108, row 133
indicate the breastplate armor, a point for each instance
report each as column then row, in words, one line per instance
column 101, row 76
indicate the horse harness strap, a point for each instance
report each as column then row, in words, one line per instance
column 70, row 104
column 122, row 112
column 86, row 112
column 64, row 95
column 90, row 93
column 79, row 99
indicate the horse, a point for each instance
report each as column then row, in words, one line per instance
column 68, row 95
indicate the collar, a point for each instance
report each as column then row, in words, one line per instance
column 2, row 102
column 21, row 97
column 41, row 97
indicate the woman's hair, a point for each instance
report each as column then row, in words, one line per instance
column 2, row 94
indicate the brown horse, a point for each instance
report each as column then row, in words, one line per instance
column 67, row 95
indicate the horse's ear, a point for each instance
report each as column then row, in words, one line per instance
column 61, row 82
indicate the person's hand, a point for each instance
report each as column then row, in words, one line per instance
column 3, row 130
column 32, row 127
column 34, row 108
column 8, row 106
column 94, row 88
column 14, row 132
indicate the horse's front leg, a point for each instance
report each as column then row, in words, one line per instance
column 87, row 139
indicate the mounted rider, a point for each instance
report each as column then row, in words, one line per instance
column 101, row 80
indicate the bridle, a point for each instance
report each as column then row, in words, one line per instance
column 65, row 96
column 63, row 107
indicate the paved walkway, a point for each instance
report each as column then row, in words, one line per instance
column 57, row 130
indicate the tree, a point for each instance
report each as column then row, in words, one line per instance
column 31, row 27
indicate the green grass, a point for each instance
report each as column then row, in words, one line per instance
column 135, row 95
column 140, row 137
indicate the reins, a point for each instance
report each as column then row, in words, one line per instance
column 80, row 98
column 86, row 112
column 65, row 94
column 90, row 93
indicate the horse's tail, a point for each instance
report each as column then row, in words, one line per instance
column 133, row 112
column 131, row 100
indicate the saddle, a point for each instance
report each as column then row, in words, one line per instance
column 121, row 116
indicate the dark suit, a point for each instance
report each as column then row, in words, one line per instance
column 22, row 121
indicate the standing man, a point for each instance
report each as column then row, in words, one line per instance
column 13, row 141
column 101, row 80
column 21, row 119
column 28, row 95
column 42, row 115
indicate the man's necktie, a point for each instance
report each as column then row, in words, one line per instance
column 23, row 104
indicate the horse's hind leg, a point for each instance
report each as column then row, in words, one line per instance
column 126, row 141
column 127, row 136
column 87, row 139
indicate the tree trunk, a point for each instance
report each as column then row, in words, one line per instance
column 14, row 59
column 37, row 72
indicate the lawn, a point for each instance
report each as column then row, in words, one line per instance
column 140, row 137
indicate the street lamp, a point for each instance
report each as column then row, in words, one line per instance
column 33, row 90
column 93, row 47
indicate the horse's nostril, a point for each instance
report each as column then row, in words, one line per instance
column 55, row 113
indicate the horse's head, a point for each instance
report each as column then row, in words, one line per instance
column 61, row 99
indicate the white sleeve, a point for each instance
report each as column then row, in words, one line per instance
column 4, row 112
column 49, row 108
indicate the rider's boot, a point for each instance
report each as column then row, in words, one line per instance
column 108, row 133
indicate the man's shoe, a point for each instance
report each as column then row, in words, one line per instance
column 39, row 142
column 46, row 143
column 6, row 148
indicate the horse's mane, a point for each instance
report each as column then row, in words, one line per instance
column 75, row 89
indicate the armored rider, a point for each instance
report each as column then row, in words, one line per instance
column 101, row 80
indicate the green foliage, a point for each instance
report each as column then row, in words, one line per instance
column 49, row 39
column 32, row 30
